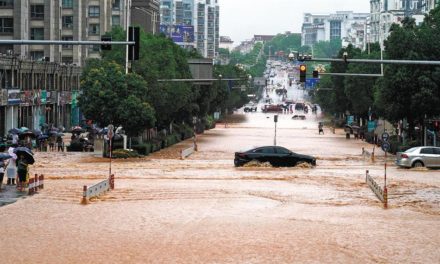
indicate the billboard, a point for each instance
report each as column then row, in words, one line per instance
column 178, row 33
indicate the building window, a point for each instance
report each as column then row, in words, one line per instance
column 37, row 55
column 37, row 11
column 67, row 3
column 37, row 33
column 93, row 11
column 94, row 29
column 116, row 21
column 67, row 60
column 116, row 5
column 6, row 25
column 6, row 3
column 94, row 48
column 335, row 29
column 67, row 21
column 67, row 38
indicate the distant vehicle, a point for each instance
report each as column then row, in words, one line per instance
column 419, row 157
column 250, row 108
column 275, row 155
column 299, row 117
column 272, row 109
column 299, row 106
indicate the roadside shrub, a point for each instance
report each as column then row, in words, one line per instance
column 171, row 140
column 125, row 154
column 143, row 149
column 209, row 122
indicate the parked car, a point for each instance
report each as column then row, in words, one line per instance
column 299, row 117
column 275, row 155
column 272, row 109
column 250, row 107
column 419, row 157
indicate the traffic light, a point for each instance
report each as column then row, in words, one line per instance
column 106, row 46
column 302, row 73
column 315, row 74
column 133, row 50
column 437, row 125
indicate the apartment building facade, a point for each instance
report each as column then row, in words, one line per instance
column 58, row 20
column 384, row 13
column 192, row 24
column 347, row 26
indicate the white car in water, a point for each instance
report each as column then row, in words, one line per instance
column 419, row 157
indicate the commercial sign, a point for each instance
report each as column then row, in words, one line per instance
column 371, row 126
column 14, row 97
column 178, row 33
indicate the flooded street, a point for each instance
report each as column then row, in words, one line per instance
column 203, row 209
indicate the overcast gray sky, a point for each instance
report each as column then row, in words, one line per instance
column 241, row 19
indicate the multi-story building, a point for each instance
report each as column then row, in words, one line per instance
column 347, row 26
column 192, row 24
column 146, row 14
column 384, row 13
column 69, row 20
column 39, row 83
column 37, row 93
column 58, row 20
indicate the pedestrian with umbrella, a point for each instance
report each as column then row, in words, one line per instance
column 11, row 169
column 3, row 164
column 25, row 157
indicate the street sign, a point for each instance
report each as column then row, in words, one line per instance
column 386, row 146
column 385, row 136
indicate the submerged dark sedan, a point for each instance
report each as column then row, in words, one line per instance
column 276, row 156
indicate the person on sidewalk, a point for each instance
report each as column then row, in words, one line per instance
column 22, row 171
column 320, row 128
column 11, row 169
column 2, row 172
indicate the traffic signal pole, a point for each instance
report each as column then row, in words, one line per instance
column 408, row 62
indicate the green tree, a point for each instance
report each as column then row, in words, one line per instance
column 360, row 90
column 327, row 49
column 111, row 97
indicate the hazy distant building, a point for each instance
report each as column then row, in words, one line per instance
column 226, row 43
column 347, row 26
column 192, row 24
column 384, row 13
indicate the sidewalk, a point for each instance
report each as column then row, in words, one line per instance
column 9, row 194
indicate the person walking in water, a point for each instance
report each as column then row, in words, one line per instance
column 320, row 128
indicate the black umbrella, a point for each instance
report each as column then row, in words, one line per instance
column 4, row 156
column 26, row 134
column 27, row 153
column 37, row 132
column 15, row 131
column 43, row 137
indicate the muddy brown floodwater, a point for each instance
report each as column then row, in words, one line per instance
column 204, row 210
